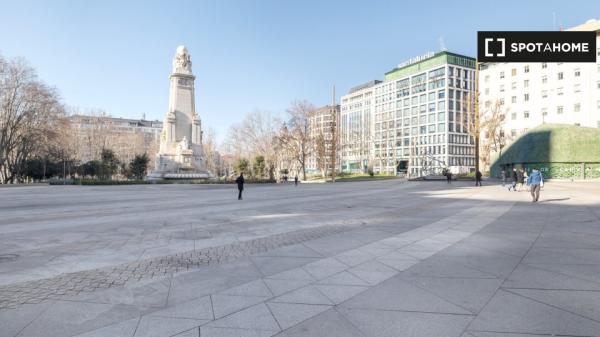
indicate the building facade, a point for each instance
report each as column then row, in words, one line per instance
column 356, row 128
column 418, row 115
column 126, row 137
column 532, row 94
column 322, row 124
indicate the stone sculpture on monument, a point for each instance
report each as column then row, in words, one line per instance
column 180, row 155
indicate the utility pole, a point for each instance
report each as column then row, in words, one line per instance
column 334, row 135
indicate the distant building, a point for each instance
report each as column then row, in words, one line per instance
column 413, row 119
column 126, row 137
column 356, row 128
column 321, row 123
column 532, row 94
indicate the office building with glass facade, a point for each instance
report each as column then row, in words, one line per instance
column 416, row 117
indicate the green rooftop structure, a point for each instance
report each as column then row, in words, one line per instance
column 558, row 150
column 437, row 59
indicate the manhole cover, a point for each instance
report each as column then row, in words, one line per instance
column 8, row 257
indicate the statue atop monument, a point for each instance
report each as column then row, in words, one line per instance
column 180, row 155
column 182, row 62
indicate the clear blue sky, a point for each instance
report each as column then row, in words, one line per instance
column 247, row 55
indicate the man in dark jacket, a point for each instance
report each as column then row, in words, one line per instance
column 240, row 182
column 478, row 178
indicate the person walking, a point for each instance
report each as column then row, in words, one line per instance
column 535, row 181
column 448, row 177
column 515, row 178
column 503, row 176
column 240, row 182
column 296, row 181
column 520, row 179
column 478, row 178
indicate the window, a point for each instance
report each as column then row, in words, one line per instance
column 513, row 116
column 544, row 111
column 487, row 78
column 526, row 83
column 577, row 88
column 487, row 91
column 577, row 107
column 559, row 109
column 513, row 72
column 513, row 133
column 526, row 69
column 513, row 99
column 544, row 79
column 526, row 97
column 502, row 88
column 544, row 65
column 544, row 93
column 577, row 72
column 526, row 114
column 559, row 91
column 560, row 76
column 513, row 85
column 501, row 74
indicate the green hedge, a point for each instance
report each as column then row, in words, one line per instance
column 97, row 182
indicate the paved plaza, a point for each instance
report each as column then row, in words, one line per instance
column 381, row 258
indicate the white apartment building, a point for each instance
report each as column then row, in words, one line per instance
column 536, row 93
column 321, row 123
column 356, row 129
column 417, row 117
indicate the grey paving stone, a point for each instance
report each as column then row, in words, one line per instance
column 224, row 305
column 373, row 272
column 252, row 288
column 14, row 320
column 121, row 329
column 290, row 314
column 561, row 255
column 257, row 317
column 195, row 332
column 344, row 278
column 354, row 257
column 340, row 293
column 305, row 295
column 293, row 274
column 468, row 293
column 397, row 264
column 328, row 324
column 378, row 323
column 279, row 287
column 323, row 268
column 440, row 266
column 200, row 309
column 209, row 331
column 511, row 313
column 154, row 326
column 533, row 276
column 583, row 303
column 72, row 318
column 396, row 294
column 270, row 265
column 298, row 250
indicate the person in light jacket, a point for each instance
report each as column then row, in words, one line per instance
column 535, row 182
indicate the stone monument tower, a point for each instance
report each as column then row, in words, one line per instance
column 180, row 155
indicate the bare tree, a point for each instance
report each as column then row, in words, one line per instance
column 321, row 153
column 492, row 129
column 296, row 138
column 254, row 136
column 28, row 112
